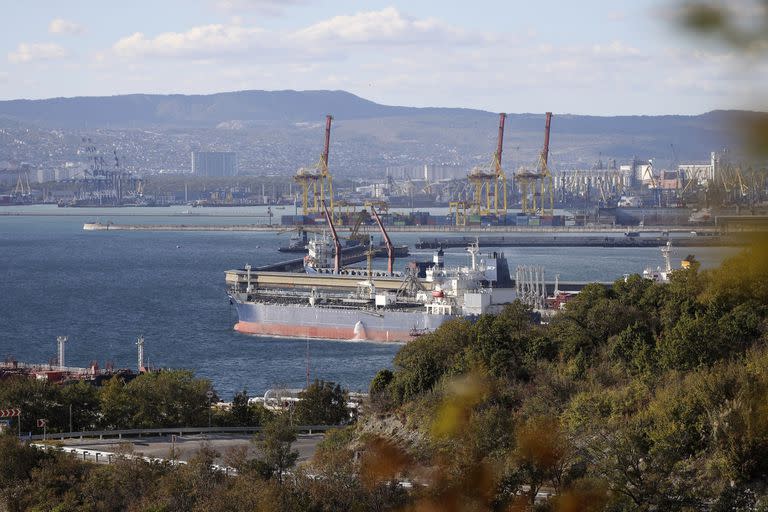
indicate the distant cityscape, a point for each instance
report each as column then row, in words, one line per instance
column 406, row 159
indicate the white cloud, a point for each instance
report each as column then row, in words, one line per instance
column 617, row 16
column 616, row 49
column 265, row 7
column 196, row 42
column 62, row 26
column 29, row 52
column 385, row 26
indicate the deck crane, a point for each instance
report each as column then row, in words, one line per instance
column 317, row 180
column 336, row 243
column 387, row 241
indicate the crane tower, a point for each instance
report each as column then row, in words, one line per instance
column 537, row 184
column 488, row 183
column 316, row 182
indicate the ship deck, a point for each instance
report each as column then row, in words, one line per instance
column 290, row 280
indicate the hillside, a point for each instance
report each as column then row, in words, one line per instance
column 368, row 132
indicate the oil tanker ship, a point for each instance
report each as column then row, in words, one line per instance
column 365, row 304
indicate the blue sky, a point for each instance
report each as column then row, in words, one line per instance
column 589, row 57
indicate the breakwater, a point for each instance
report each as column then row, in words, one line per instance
column 618, row 230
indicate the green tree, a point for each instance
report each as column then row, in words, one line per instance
column 242, row 413
column 424, row 361
column 322, row 403
column 117, row 407
column 18, row 461
column 275, row 445
column 82, row 398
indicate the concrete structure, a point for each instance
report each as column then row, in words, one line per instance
column 214, row 163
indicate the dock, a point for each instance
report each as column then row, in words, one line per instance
column 270, row 228
column 576, row 241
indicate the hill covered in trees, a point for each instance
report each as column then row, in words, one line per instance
column 640, row 397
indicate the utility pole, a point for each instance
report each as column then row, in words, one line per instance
column 70, row 417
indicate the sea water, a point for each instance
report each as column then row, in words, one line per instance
column 103, row 289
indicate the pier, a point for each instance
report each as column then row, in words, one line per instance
column 269, row 228
column 543, row 240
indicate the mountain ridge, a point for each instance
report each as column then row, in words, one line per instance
column 366, row 133
column 247, row 105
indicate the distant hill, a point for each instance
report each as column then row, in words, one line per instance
column 433, row 134
column 134, row 110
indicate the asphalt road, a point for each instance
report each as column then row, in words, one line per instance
column 187, row 446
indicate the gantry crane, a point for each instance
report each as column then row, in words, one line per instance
column 538, row 183
column 316, row 182
column 490, row 182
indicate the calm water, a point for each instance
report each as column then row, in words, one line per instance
column 103, row 289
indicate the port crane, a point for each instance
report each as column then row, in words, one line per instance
column 529, row 180
column 316, row 182
column 490, row 182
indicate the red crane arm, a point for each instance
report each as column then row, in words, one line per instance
column 336, row 243
column 500, row 145
column 545, row 150
column 326, row 148
column 387, row 241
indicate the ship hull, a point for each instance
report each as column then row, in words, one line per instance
column 305, row 321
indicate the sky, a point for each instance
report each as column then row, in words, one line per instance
column 598, row 57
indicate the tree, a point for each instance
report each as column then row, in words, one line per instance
column 424, row 361
column 541, row 454
column 117, row 408
column 83, row 399
column 163, row 399
column 322, row 403
column 275, row 446
column 242, row 413
column 18, row 461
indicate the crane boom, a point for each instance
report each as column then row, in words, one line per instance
column 500, row 144
column 545, row 149
column 387, row 241
column 336, row 243
column 326, row 147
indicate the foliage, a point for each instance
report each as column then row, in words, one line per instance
column 322, row 403
column 642, row 396
column 276, row 446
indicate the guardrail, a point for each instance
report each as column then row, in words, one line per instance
column 102, row 457
column 148, row 432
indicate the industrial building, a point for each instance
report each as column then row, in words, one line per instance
column 214, row 163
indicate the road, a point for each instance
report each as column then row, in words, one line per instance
column 186, row 446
